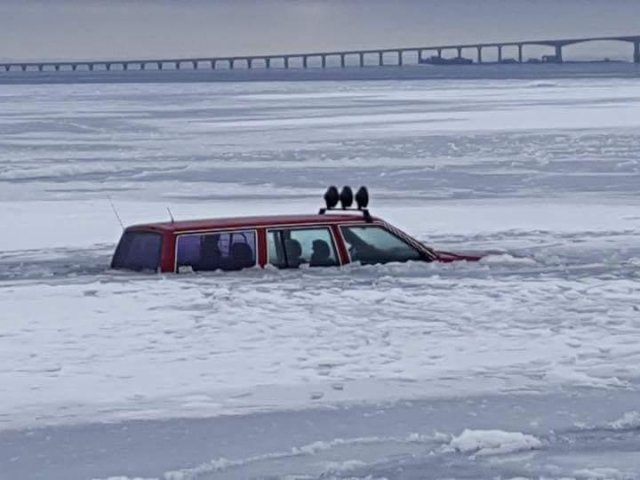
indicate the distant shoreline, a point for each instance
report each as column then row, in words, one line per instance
column 414, row 72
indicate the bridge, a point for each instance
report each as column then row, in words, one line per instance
column 357, row 58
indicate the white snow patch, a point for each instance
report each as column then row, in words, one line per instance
column 315, row 448
column 629, row 421
column 341, row 467
column 570, row 375
column 493, row 442
column 222, row 464
column 507, row 259
column 601, row 474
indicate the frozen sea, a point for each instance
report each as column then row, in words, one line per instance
column 525, row 365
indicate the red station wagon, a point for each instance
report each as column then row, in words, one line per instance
column 331, row 238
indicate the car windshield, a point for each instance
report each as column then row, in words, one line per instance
column 374, row 244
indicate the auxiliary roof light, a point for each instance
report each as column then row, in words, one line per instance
column 362, row 198
column 331, row 197
column 346, row 197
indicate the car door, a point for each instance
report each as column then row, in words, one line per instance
column 295, row 247
column 373, row 244
column 216, row 250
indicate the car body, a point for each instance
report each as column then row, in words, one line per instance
column 330, row 238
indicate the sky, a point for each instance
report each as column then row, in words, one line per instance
column 111, row 29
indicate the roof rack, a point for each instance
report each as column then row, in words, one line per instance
column 345, row 198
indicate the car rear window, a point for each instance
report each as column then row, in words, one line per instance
column 138, row 251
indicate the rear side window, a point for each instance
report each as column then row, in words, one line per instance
column 138, row 251
column 216, row 251
column 291, row 248
column 372, row 244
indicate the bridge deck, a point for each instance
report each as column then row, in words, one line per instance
column 266, row 61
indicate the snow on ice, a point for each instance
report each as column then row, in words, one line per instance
column 492, row 442
column 542, row 175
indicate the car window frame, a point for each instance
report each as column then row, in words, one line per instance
column 254, row 230
column 327, row 226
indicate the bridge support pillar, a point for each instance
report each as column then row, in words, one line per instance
column 267, row 63
column 520, row 53
column 479, row 54
column 323, row 61
column 159, row 65
column 343, row 62
column 232, row 64
column 420, row 56
column 459, row 50
column 177, row 65
column 195, row 65
column 400, row 59
column 40, row 67
column 559, row 58
column 636, row 51
column 361, row 60
column 286, row 62
column 143, row 66
column 439, row 52
column 380, row 59
column 249, row 63
column 125, row 66
column 499, row 54
column 305, row 61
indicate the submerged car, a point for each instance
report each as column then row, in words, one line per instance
column 336, row 235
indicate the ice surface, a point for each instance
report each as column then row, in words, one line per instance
column 543, row 175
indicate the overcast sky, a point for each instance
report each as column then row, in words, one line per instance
column 75, row 29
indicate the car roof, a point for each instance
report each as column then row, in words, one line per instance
column 256, row 221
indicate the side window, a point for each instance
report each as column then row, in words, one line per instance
column 138, row 251
column 372, row 244
column 217, row 251
column 291, row 248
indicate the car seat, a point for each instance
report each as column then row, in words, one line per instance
column 321, row 256
column 293, row 251
column 241, row 256
column 210, row 255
